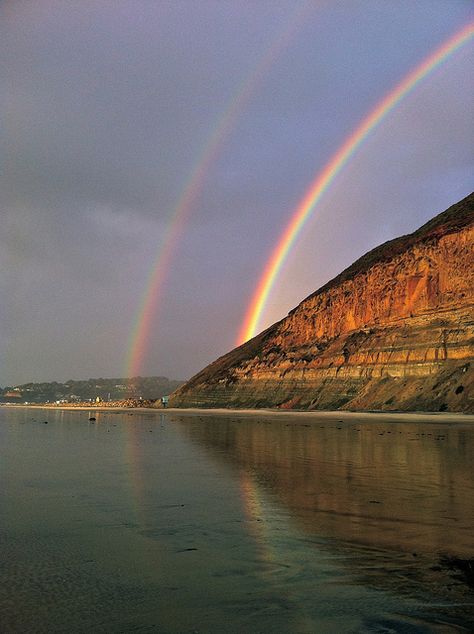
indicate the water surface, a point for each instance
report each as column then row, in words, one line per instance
column 157, row 522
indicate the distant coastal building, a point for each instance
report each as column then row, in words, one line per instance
column 13, row 394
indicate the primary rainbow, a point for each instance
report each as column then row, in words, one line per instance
column 160, row 267
column 324, row 179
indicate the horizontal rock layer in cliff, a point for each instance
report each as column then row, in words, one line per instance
column 394, row 331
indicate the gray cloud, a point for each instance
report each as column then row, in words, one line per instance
column 106, row 108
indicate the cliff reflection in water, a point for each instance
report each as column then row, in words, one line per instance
column 405, row 486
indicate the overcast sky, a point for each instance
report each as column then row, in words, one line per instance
column 108, row 106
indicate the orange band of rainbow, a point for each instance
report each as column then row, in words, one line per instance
column 160, row 268
column 324, row 179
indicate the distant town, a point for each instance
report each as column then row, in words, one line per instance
column 101, row 390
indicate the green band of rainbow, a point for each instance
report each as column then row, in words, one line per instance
column 331, row 170
column 146, row 314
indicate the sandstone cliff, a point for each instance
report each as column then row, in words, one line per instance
column 394, row 331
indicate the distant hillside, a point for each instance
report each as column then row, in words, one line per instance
column 153, row 387
column 394, row 331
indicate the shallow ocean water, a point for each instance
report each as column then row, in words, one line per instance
column 157, row 522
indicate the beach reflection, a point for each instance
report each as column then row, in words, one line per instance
column 150, row 521
column 408, row 486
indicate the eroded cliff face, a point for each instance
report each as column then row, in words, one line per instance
column 393, row 331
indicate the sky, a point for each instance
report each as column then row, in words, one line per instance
column 112, row 113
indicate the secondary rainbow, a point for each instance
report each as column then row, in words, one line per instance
column 324, row 178
column 160, row 268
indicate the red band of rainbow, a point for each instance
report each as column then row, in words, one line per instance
column 324, row 179
column 146, row 314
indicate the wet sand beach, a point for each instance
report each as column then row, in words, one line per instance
column 161, row 520
column 435, row 417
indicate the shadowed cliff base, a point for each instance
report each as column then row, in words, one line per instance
column 394, row 331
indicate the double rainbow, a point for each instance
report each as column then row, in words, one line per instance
column 325, row 178
column 150, row 301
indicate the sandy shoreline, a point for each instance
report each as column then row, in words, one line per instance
column 426, row 417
